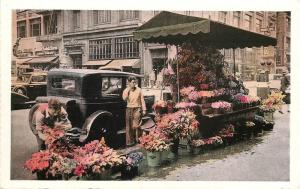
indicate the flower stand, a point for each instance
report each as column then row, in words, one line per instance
column 153, row 159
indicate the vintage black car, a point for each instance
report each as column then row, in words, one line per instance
column 31, row 84
column 93, row 100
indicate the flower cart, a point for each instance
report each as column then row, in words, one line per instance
column 201, row 82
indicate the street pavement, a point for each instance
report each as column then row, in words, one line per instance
column 264, row 158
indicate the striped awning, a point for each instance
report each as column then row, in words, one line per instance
column 96, row 63
column 118, row 64
column 42, row 60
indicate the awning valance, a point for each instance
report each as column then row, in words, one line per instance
column 118, row 64
column 172, row 28
column 42, row 60
column 96, row 63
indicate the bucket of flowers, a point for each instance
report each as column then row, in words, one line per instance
column 130, row 167
column 154, row 143
column 197, row 146
column 95, row 160
column 227, row 134
column 271, row 104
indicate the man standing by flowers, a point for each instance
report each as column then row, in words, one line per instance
column 135, row 103
column 49, row 115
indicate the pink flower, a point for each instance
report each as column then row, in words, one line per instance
column 186, row 91
column 204, row 86
column 193, row 96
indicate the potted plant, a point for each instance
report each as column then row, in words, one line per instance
column 154, row 143
column 130, row 166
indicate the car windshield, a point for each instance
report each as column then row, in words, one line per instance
column 23, row 78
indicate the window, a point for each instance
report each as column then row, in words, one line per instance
column 236, row 18
column 76, row 18
column 21, row 29
column 126, row 47
column 258, row 23
column 248, row 22
column 63, row 83
column 50, row 23
column 129, row 15
column 222, row 16
column 101, row 17
column 35, row 27
column 123, row 47
column 100, row 49
column 111, row 86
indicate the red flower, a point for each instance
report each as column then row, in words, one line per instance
column 79, row 170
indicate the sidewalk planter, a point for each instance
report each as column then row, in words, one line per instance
column 153, row 159
column 268, row 116
column 197, row 150
column 164, row 155
column 174, row 149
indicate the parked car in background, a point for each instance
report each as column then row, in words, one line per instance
column 93, row 101
column 30, row 84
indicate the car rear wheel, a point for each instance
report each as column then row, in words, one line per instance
column 103, row 127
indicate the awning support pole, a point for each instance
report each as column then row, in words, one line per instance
column 178, row 90
column 233, row 54
column 163, row 74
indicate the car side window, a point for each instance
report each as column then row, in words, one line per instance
column 39, row 78
column 111, row 86
column 62, row 83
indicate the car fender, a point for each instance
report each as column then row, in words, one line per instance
column 89, row 122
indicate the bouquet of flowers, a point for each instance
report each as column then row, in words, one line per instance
column 241, row 98
column 155, row 141
column 52, row 134
column 40, row 161
column 221, row 105
column 197, row 143
column 216, row 140
column 184, row 92
column 273, row 102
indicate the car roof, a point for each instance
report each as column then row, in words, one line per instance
column 85, row 72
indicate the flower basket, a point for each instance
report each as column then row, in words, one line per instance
column 269, row 116
column 174, row 149
column 153, row 158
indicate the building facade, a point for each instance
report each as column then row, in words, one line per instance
column 104, row 38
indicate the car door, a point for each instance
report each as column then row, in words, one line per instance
column 111, row 95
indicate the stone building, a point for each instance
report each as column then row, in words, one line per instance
column 104, row 39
